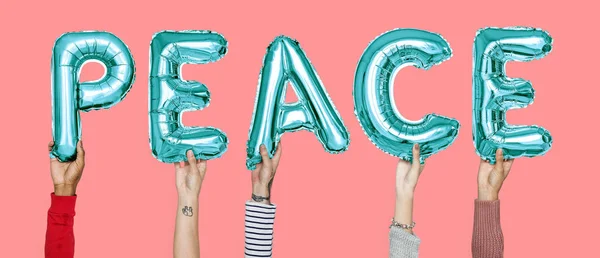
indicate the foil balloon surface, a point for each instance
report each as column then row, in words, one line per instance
column 170, row 95
column 374, row 98
column 286, row 62
column 494, row 93
column 69, row 96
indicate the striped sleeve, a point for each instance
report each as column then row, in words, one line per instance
column 259, row 229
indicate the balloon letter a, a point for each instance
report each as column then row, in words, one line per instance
column 286, row 62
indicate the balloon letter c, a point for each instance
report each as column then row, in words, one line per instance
column 374, row 99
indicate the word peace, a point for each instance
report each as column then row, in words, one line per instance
column 169, row 96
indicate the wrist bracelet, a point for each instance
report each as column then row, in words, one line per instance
column 257, row 198
column 402, row 226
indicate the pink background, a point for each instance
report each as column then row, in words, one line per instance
column 329, row 205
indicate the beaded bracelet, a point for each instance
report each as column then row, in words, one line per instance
column 402, row 226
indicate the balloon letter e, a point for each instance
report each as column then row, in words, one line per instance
column 170, row 96
column 494, row 93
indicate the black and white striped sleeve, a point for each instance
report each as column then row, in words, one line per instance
column 259, row 229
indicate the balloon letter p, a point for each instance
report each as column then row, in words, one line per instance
column 69, row 96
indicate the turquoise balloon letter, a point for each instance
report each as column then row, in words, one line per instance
column 286, row 61
column 69, row 96
column 374, row 99
column 494, row 93
column 170, row 95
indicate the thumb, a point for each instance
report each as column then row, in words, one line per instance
column 265, row 155
column 190, row 157
column 201, row 165
column 416, row 160
column 499, row 161
column 80, row 152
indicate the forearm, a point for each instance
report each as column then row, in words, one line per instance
column 259, row 221
column 186, row 243
column 403, row 243
column 488, row 240
column 403, row 213
column 60, row 240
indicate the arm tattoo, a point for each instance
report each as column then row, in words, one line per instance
column 188, row 211
column 258, row 198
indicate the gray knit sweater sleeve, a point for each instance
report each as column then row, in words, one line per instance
column 403, row 244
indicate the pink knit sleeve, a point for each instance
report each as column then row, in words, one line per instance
column 488, row 241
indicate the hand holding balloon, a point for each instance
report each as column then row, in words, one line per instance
column 66, row 175
column 264, row 173
column 189, row 176
column 491, row 176
column 407, row 176
column 407, row 173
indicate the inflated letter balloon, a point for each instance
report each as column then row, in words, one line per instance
column 494, row 93
column 374, row 98
column 286, row 61
column 69, row 96
column 170, row 95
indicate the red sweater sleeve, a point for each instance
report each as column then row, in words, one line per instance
column 60, row 240
column 488, row 241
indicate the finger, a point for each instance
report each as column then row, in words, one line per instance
column 277, row 155
column 265, row 155
column 416, row 161
column 202, row 164
column 508, row 164
column 191, row 159
column 80, row 151
column 499, row 160
column 257, row 169
column 50, row 145
column 177, row 165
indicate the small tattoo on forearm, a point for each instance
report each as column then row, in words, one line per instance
column 258, row 198
column 188, row 211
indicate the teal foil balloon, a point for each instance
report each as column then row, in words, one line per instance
column 494, row 93
column 69, row 96
column 170, row 95
column 374, row 98
column 286, row 62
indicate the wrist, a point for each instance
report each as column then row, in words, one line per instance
column 487, row 195
column 261, row 190
column 261, row 194
column 65, row 189
column 187, row 200
column 404, row 194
